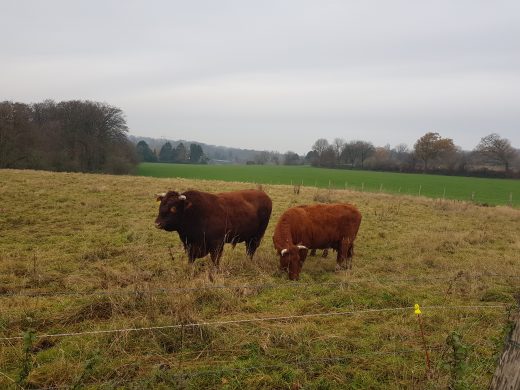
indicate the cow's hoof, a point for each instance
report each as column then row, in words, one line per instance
column 340, row 268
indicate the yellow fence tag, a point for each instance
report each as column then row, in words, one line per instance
column 417, row 309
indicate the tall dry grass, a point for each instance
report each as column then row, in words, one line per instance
column 92, row 238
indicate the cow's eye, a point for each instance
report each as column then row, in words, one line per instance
column 173, row 209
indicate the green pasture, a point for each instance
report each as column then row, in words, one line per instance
column 490, row 191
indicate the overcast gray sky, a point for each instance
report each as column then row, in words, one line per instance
column 274, row 75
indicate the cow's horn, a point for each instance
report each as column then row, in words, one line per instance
column 283, row 252
column 302, row 247
column 161, row 195
column 182, row 197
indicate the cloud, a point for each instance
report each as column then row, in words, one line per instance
column 275, row 75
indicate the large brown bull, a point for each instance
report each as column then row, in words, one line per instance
column 206, row 221
column 319, row 226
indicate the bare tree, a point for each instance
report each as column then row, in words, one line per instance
column 382, row 158
column 328, row 157
column 348, row 154
column 262, row 157
column 496, row 150
column 320, row 146
column 72, row 135
column 401, row 149
column 291, row 158
column 356, row 152
column 338, row 145
column 364, row 150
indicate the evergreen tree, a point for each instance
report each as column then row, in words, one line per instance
column 145, row 153
column 196, row 153
column 166, row 153
column 181, row 155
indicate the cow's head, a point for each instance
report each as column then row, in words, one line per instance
column 291, row 260
column 171, row 210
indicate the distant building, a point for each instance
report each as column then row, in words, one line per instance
column 219, row 162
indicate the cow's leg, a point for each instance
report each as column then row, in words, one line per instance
column 252, row 245
column 216, row 253
column 325, row 253
column 192, row 255
column 350, row 255
column 313, row 253
column 191, row 251
column 342, row 255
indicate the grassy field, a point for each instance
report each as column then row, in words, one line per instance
column 79, row 253
column 490, row 191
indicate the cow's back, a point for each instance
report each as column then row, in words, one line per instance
column 321, row 226
column 247, row 212
column 332, row 223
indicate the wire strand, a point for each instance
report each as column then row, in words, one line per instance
column 249, row 320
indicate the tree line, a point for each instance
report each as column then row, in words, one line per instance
column 493, row 156
column 87, row 136
column 77, row 136
column 168, row 154
column 74, row 136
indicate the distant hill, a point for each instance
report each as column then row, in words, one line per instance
column 220, row 154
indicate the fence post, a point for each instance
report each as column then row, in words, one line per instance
column 444, row 194
column 381, row 188
column 472, row 196
column 507, row 374
column 421, row 327
column 420, row 187
column 362, row 187
column 511, row 199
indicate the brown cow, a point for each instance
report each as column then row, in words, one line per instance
column 319, row 226
column 206, row 221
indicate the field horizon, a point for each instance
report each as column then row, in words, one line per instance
column 93, row 296
column 491, row 191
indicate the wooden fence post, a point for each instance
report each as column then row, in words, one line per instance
column 507, row 374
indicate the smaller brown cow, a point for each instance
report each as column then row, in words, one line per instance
column 319, row 226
